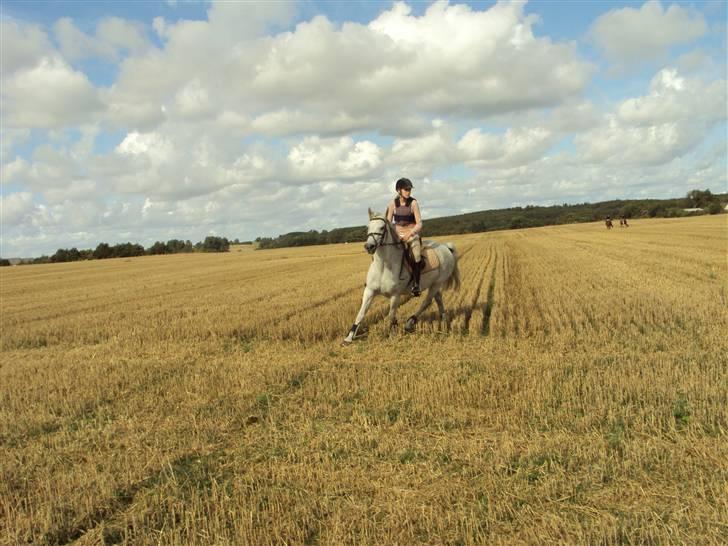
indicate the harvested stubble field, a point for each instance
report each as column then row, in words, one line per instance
column 579, row 396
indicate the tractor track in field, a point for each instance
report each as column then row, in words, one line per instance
column 474, row 301
column 488, row 308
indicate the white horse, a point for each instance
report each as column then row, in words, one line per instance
column 389, row 277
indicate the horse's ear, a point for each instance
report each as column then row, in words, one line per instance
column 371, row 214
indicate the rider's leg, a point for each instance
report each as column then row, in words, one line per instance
column 416, row 248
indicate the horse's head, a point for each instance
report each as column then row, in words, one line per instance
column 376, row 232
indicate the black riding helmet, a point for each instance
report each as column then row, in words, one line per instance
column 403, row 183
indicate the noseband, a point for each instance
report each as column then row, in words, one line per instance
column 382, row 235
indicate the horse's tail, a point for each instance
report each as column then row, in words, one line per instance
column 454, row 280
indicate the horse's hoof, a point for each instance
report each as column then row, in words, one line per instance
column 409, row 327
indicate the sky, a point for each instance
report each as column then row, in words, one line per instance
column 145, row 121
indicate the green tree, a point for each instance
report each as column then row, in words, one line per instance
column 61, row 255
column 517, row 222
column 656, row 210
column 127, row 250
column 215, row 244
column 157, row 248
column 102, row 251
column 700, row 198
column 629, row 211
column 715, row 208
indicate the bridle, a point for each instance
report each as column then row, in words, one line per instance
column 382, row 236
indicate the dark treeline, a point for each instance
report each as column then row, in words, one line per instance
column 126, row 250
column 521, row 217
column 313, row 237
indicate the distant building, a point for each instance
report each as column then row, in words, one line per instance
column 692, row 210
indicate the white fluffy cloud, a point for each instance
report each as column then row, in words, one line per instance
column 418, row 156
column 317, row 159
column 23, row 46
column 113, row 35
column 15, row 207
column 518, row 146
column 451, row 60
column 629, row 35
column 390, row 74
column 157, row 164
column 50, row 94
column 49, row 168
column 659, row 127
column 673, row 98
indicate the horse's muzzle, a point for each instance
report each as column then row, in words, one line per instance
column 370, row 248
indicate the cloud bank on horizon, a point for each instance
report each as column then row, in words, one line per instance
column 255, row 119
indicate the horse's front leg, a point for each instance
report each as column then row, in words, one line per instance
column 412, row 321
column 393, row 306
column 366, row 301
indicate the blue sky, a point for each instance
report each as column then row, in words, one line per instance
column 148, row 121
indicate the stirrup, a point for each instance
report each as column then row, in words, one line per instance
column 415, row 291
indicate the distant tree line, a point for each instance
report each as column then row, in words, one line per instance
column 520, row 217
column 126, row 250
column 312, row 237
column 474, row 222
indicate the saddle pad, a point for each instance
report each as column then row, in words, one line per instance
column 431, row 259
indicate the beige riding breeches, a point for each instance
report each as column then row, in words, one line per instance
column 415, row 245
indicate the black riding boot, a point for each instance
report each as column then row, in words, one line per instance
column 416, row 271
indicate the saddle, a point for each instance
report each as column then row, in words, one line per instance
column 429, row 258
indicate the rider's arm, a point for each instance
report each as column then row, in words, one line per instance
column 418, row 219
column 390, row 211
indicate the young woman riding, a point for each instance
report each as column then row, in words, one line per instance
column 404, row 211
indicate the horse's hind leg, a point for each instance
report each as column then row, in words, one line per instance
column 441, row 307
column 412, row 321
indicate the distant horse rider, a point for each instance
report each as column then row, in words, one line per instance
column 608, row 222
column 404, row 211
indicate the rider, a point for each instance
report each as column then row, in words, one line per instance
column 404, row 211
